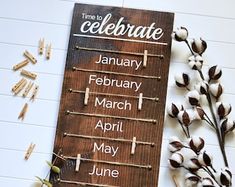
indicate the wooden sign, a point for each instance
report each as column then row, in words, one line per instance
column 110, row 122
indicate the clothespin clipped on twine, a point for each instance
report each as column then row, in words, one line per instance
column 140, row 102
column 145, row 58
column 78, row 162
column 86, row 96
column 133, row 146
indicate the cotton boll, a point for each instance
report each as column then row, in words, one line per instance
column 207, row 182
column 196, row 143
column 193, row 164
column 225, row 177
column 180, row 34
column 185, row 118
column 202, row 87
column 205, row 159
column 199, row 113
column 193, row 97
column 173, row 109
column 214, row 73
column 195, row 62
column 199, row 46
column 182, row 80
column 223, row 109
column 191, row 179
column 216, row 90
column 175, row 144
column 176, row 160
column 227, row 126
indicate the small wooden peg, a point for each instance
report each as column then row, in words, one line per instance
column 30, row 57
column 175, row 181
column 78, row 162
column 133, row 145
column 20, row 65
column 21, row 87
column 27, row 89
column 29, row 151
column 28, row 74
column 41, row 46
column 23, row 111
column 35, row 91
column 145, row 58
column 86, row 96
column 18, row 84
column 48, row 52
column 140, row 103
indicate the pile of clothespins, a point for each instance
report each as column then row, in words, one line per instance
column 26, row 83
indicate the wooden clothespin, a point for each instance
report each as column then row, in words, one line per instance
column 29, row 151
column 17, row 85
column 78, row 162
column 20, row 65
column 175, row 181
column 30, row 57
column 48, row 51
column 145, row 58
column 28, row 74
column 27, row 89
column 86, row 96
column 140, row 103
column 23, row 111
column 41, row 46
column 133, row 145
column 35, row 91
column 21, row 87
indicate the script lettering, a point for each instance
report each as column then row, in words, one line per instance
column 120, row 29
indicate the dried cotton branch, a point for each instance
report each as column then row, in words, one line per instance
column 208, row 87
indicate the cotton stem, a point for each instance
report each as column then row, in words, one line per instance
column 219, row 136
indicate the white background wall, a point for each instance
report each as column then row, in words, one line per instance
column 23, row 22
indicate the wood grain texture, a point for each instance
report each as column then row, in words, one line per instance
column 143, row 131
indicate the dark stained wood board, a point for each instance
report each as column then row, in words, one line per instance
column 86, row 60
